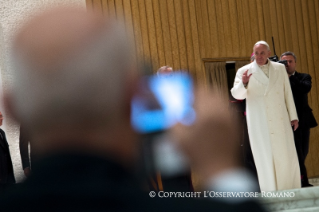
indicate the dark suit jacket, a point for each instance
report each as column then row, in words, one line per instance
column 78, row 182
column 6, row 168
column 301, row 85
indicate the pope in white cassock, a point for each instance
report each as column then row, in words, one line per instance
column 271, row 114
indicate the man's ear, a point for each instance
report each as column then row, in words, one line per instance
column 9, row 106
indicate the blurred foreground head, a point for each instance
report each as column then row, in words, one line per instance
column 72, row 76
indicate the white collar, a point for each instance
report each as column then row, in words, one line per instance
column 265, row 65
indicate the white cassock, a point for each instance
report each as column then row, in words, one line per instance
column 270, row 108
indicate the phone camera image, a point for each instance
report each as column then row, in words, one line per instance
column 163, row 101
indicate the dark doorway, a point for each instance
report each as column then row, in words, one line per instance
column 231, row 73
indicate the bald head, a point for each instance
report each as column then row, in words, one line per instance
column 164, row 70
column 71, row 67
column 56, row 35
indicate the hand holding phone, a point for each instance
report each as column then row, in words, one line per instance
column 160, row 103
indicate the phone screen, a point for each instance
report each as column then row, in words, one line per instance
column 163, row 101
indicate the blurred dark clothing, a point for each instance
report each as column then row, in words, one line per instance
column 301, row 85
column 239, row 109
column 178, row 183
column 182, row 182
column 6, row 167
column 81, row 182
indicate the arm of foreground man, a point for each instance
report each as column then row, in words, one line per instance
column 211, row 144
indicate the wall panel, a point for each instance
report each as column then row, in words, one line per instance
column 180, row 33
column 213, row 28
column 310, row 20
column 105, row 9
column 137, row 29
column 119, row 9
column 314, row 42
column 166, row 33
column 159, row 34
column 204, row 28
column 293, row 28
column 199, row 71
column 247, row 17
column 253, row 18
column 234, row 31
column 220, row 26
column 261, row 22
column 188, row 38
column 151, row 33
column 266, row 19
column 200, row 26
column 111, row 8
column 173, row 33
column 145, row 43
column 228, row 48
column 242, row 28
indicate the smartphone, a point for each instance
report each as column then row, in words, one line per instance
column 161, row 102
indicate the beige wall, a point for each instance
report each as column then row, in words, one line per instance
column 180, row 33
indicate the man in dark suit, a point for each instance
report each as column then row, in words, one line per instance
column 74, row 82
column 6, row 169
column 300, row 85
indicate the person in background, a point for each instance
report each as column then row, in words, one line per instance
column 74, row 80
column 270, row 113
column 300, row 85
column 7, row 178
column 164, row 70
column 182, row 180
